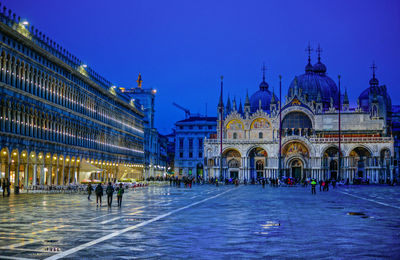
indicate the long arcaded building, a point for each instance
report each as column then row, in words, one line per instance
column 61, row 122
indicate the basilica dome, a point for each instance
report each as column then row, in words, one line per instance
column 381, row 94
column 264, row 95
column 315, row 82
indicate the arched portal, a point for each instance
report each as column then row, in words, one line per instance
column 231, row 161
column 296, row 168
column 330, row 162
column 333, row 169
column 258, row 160
column 358, row 161
column 296, row 156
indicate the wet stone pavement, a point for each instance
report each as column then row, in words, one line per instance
column 205, row 222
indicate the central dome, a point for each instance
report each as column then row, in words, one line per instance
column 314, row 83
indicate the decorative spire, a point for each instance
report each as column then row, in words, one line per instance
column 240, row 107
column 309, row 50
column 139, row 81
column 263, row 71
column 247, row 101
column 374, row 81
column 263, row 85
column 309, row 67
column 273, row 96
column 228, row 105
column 319, row 50
column 259, row 104
column 221, row 102
column 346, row 98
column 234, row 107
column 373, row 67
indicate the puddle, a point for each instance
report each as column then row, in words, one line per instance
column 358, row 214
column 270, row 224
column 355, row 213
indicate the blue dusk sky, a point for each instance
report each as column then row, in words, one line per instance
column 182, row 47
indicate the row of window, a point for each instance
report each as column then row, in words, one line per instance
column 20, row 74
column 27, row 121
column 47, row 44
column 190, row 154
column 200, row 127
column 190, row 141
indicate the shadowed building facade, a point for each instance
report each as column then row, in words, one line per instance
column 309, row 135
column 190, row 134
column 61, row 122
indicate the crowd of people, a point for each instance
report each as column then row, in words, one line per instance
column 324, row 185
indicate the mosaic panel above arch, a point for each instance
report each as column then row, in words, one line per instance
column 235, row 124
column 260, row 123
column 294, row 148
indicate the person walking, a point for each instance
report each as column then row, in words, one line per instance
column 89, row 190
column 320, row 185
column 313, row 185
column 120, row 192
column 99, row 193
column 109, row 192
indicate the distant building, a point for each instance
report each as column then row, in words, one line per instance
column 189, row 142
column 146, row 98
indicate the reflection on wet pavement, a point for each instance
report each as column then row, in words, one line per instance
column 206, row 222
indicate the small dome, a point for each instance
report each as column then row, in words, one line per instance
column 265, row 96
column 364, row 97
column 319, row 67
column 374, row 82
column 264, row 85
column 309, row 68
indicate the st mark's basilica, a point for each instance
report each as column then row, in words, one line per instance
column 311, row 124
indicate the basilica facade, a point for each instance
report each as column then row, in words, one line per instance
column 311, row 124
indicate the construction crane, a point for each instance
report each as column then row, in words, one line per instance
column 187, row 111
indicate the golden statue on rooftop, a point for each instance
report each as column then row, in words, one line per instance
column 139, row 81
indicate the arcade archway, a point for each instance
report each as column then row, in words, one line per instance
column 359, row 161
column 330, row 163
column 231, row 163
column 296, row 155
column 258, row 161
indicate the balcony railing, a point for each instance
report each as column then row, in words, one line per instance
column 311, row 139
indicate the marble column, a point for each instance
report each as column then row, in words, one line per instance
column 34, row 182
